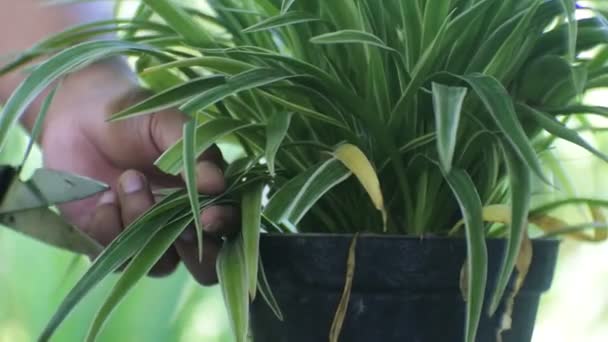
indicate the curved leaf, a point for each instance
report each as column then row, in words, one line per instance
column 206, row 135
column 141, row 264
column 233, row 277
column 190, row 176
column 169, row 98
column 521, row 189
column 447, row 102
column 556, row 128
column 55, row 67
column 477, row 255
column 284, row 19
column 356, row 161
column 499, row 105
column 288, row 205
column 276, row 130
column 349, row 37
column 251, row 218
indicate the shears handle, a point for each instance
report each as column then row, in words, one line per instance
column 7, row 175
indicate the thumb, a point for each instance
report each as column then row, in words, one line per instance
column 139, row 141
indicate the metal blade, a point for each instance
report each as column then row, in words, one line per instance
column 47, row 226
column 47, row 188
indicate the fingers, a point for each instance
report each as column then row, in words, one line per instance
column 106, row 222
column 135, row 199
column 217, row 221
column 203, row 272
column 118, row 208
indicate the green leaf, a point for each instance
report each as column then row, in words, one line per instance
column 500, row 107
column 447, row 102
column 521, row 189
column 251, row 218
column 189, row 157
column 181, row 22
column 477, row 255
column 247, row 80
column 556, row 128
column 281, row 20
column 116, row 254
column 141, row 264
column 290, row 203
column 349, row 37
column 206, row 135
column 286, row 5
column 37, row 129
column 266, row 292
column 55, row 67
column 276, row 131
column 220, row 64
column 435, row 13
column 569, row 7
column 170, row 98
column 234, row 280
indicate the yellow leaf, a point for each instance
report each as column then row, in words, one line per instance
column 598, row 216
column 336, row 325
column 356, row 161
column 550, row 224
column 497, row 213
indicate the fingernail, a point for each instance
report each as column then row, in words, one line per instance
column 109, row 197
column 131, row 182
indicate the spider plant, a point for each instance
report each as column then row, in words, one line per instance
column 385, row 117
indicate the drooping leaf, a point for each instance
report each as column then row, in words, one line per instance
column 355, row 160
column 169, row 98
column 276, row 130
column 290, row 203
column 499, row 105
column 114, row 255
column 521, row 188
column 67, row 61
column 37, row 129
column 477, row 256
column 340, row 315
column 234, row 280
column 558, row 129
column 570, row 10
column 447, row 103
column 190, row 177
column 266, row 292
column 251, row 218
column 207, row 133
column 141, row 264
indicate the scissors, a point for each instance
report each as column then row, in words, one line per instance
column 25, row 206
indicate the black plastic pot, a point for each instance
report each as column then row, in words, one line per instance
column 404, row 289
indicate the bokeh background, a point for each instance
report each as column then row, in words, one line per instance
column 34, row 277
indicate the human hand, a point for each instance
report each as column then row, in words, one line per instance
column 76, row 138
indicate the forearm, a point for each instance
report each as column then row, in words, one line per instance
column 24, row 22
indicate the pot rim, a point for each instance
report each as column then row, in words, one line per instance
column 549, row 240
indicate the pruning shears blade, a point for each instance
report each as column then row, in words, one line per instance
column 47, row 226
column 47, row 188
